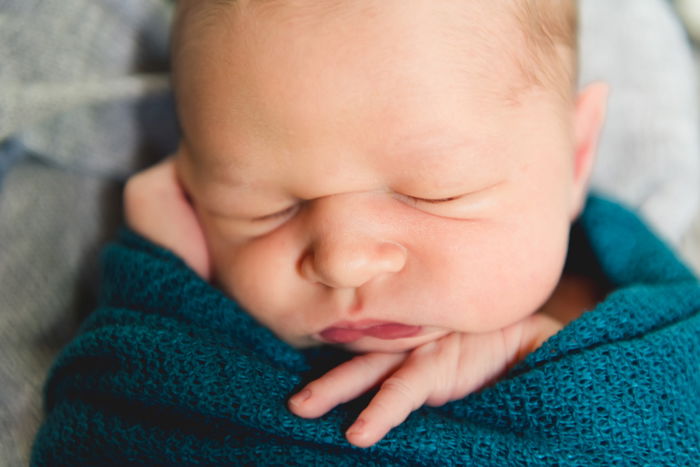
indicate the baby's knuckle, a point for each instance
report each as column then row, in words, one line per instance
column 399, row 387
column 365, row 362
column 424, row 350
column 133, row 187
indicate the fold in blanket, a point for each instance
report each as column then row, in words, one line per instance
column 168, row 371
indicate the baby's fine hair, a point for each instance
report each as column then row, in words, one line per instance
column 549, row 27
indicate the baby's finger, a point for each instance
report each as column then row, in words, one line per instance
column 343, row 383
column 402, row 393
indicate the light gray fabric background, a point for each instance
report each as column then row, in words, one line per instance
column 84, row 102
column 649, row 153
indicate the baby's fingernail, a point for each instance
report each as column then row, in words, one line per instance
column 300, row 398
column 356, row 428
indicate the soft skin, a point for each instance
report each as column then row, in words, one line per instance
column 379, row 161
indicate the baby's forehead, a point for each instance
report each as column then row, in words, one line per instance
column 539, row 36
column 482, row 34
column 354, row 13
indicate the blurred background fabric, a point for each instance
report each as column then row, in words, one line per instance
column 649, row 154
column 85, row 101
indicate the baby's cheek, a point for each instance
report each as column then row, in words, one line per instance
column 242, row 276
column 538, row 265
column 505, row 272
column 261, row 279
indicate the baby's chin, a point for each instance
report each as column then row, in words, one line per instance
column 368, row 344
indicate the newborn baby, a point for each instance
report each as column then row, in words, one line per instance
column 394, row 178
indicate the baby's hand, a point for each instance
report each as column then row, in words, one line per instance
column 435, row 373
column 156, row 206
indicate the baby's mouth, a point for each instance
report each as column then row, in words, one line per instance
column 344, row 333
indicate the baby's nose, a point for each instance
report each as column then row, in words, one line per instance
column 349, row 261
column 351, row 240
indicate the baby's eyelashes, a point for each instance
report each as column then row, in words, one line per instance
column 416, row 199
column 287, row 212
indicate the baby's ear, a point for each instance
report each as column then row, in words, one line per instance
column 589, row 115
column 156, row 206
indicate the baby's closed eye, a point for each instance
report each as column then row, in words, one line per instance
column 459, row 206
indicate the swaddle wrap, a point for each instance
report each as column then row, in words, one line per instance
column 169, row 371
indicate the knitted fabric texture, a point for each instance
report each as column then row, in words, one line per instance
column 168, row 371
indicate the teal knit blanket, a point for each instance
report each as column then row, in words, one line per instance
column 168, row 371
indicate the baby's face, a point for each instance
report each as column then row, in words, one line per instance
column 374, row 174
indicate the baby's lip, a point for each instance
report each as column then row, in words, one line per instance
column 346, row 332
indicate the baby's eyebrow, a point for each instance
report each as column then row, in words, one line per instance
column 239, row 200
column 428, row 144
column 437, row 153
column 433, row 159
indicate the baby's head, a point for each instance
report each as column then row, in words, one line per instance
column 379, row 173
